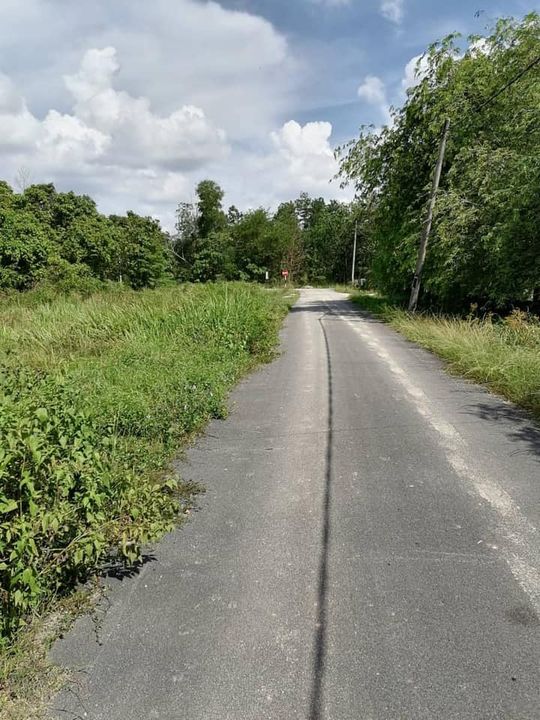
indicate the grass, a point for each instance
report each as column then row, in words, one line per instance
column 504, row 355
column 97, row 395
column 27, row 678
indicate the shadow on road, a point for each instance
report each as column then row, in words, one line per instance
column 338, row 308
column 518, row 425
column 118, row 570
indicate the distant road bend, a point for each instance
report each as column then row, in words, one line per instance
column 367, row 549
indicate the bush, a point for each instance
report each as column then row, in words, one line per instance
column 66, row 497
column 96, row 396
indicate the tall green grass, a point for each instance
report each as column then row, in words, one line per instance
column 502, row 354
column 96, row 396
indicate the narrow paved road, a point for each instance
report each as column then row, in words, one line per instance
column 366, row 550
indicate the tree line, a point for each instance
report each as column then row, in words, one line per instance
column 309, row 238
column 485, row 244
column 62, row 238
column 59, row 237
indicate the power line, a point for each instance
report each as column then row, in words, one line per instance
column 525, row 70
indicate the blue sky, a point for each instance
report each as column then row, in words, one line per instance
column 344, row 42
column 135, row 101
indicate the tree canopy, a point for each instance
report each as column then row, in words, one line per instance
column 45, row 234
column 486, row 241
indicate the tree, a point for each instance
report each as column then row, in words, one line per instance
column 25, row 249
column 485, row 243
column 142, row 258
column 94, row 241
column 233, row 215
column 253, row 250
column 214, row 259
column 69, row 207
column 185, row 238
column 287, row 237
column 23, row 178
column 211, row 217
column 39, row 200
column 7, row 196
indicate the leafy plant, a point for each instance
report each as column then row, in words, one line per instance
column 96, row 397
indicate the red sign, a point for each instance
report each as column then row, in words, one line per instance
column 285, row 273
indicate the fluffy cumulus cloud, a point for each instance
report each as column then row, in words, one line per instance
column 296, row 158
column 307, row 155
column 18, row 127
column 108, row 138
column 136, row 135
column 134, row 103
column 393, row 10
column 373, row 91
column 234, row 65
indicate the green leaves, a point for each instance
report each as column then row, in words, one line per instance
column 63, row 500
column 42, row 414
column 62, row 243
column 84, row 443
column 485, row 242
column 7, row 505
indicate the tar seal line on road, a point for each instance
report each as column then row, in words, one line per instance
column 319, row 648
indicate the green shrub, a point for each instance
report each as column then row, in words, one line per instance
column 66, row 498
column 96, row 397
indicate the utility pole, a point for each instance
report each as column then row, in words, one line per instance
column 354, row 251
column 415, row 289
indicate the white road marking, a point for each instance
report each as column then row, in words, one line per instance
column 523, row 553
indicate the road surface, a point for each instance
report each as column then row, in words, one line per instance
column 366, row 550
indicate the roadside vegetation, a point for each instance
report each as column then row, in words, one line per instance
column 97, row 396
column 485, row 243
column 501, row 353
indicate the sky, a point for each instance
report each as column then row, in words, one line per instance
column 135, row 101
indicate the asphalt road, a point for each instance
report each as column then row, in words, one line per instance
column 366, row 550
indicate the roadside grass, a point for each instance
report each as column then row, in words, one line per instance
column 97, row 395
column 27, row 678
column 502, row 354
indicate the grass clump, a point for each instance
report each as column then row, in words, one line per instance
column 503, row 354
column 96, row 396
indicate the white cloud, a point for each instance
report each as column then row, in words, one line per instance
column 109, row 126
column 308, row 155
column 66, row 138
column 415, row 71
column 299, row 158
column 182, row 139
column 18, row 127
column 373, row 90
column 234, row 65
column 393, row 10
column 133, row 103
column 332, row 3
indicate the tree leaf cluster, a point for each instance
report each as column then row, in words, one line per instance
column 485, row 244
column 61, row 238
